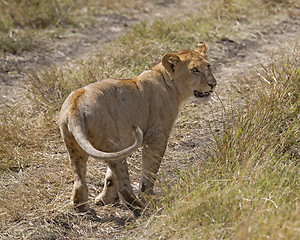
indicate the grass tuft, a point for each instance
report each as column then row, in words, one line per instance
column 240, row 190
column 250, row 188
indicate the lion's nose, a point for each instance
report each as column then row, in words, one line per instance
column 212, row 82
column 212, row 85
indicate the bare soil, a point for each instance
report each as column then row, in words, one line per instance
column 233, row 59
column 79, row 42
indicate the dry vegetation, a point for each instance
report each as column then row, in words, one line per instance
column 247, row 189
column 25, row 24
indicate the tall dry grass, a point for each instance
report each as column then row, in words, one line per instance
column 35, row 180
column 249, row 189
column 25, row 24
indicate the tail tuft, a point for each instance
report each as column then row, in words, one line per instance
column 138, row 134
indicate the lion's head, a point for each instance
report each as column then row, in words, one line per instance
column 191, row 72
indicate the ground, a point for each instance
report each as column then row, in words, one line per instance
column 79, row 43
column 232, row 58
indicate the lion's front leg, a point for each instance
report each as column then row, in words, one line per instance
column 152, row 155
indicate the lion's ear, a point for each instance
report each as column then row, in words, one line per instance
column 169, row 61
column 201, row 48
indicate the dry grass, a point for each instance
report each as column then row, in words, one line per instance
column 249, row 188
column 43, row 13
column 25, row 24
column 35, row 180
column 19, row 19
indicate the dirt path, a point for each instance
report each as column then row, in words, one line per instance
column 232, row 59
column 192, row 136
column 76, row 43
column 239, row 60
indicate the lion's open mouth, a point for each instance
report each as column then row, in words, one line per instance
column 201, row 94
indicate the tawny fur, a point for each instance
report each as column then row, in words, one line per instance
column 112, row 118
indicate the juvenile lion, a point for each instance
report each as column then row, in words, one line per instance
column 110, row 119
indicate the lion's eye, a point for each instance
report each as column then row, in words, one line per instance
column 195, row 70
column 208, row 66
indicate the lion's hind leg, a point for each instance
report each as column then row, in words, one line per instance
column 120, row 170
column 109, row 194
column 78, row 160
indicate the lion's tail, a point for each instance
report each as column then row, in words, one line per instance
column 77, row 127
